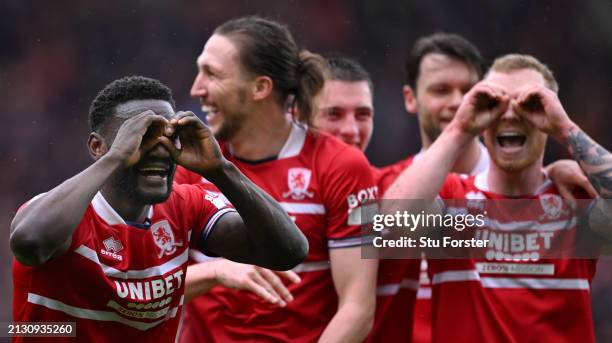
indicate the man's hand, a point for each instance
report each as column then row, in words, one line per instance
column 481, row 107
column 567, row 176
column 137, row 135
column 542, row 108
column 196, row 149
column 264, row 282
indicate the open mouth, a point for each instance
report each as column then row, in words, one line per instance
column 211, row 112
column 154, row 174
column 511, row 141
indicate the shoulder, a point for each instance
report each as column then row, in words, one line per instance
column 385, row 176
column 335, row 153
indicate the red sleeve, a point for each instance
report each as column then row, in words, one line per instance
column 387, row 175
column 453, row 187
column 347, row 185
column 203, row 209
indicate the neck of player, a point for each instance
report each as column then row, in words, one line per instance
column 263, row 134
column 126, row 207
column 516, row 183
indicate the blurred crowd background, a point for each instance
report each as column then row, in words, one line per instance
column 56, row 55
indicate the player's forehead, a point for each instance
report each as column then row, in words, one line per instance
column 346, row 94
column 513, row 81
column 134, row 107
column 438, row 67
column 218, row 51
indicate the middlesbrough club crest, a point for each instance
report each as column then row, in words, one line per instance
column 164, row 238
column 298, row 180
column 552, row 205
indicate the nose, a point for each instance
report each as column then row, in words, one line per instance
column 349, row 130
column 455, row 100
column 158, row 152
column 198, row 89
column 509, row 114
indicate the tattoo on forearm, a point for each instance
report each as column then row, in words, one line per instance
column 600, row 215
column 594, row 160
column 586, row 150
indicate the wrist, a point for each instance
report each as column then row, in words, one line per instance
column 111, row 159
column 459, row 136
column 220, row 172
column 565, row 131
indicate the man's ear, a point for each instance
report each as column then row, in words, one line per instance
column 262, row 87
column 410, row 101
column 96, row 145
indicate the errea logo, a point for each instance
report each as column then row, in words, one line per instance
column 112, row 247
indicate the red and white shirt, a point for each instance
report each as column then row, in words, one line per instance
column 120, row 281
column 403, row 303
column 321, row 183
column 501, row 299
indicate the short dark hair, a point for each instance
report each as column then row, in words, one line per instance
column 342, row 68
column 449, row 44
column 121, row 91
column 266, row 47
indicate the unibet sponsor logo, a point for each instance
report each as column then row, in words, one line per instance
column 148, row 290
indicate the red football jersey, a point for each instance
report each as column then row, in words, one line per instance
column 403, row 304
column 120, row 281
column 503, row 299
column 399, row 318
column 322, row 183
column 397, row 281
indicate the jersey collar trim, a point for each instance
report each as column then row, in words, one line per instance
column 295, row 142
column 105, row 211
column 481, row 181
column 481, row 165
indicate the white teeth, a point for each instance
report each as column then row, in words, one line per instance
column 208, row 109
column 161, row 170
column 510, row 134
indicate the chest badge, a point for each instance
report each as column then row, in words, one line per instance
column 298, row 180
column 164, row 238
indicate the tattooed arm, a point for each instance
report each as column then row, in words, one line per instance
column 542, row 107
column 593, row 159
column 597, row 165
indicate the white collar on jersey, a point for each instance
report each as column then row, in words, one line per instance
column 481, row 181
column 105, row 211
column 295, row 141
column 481, row 165
column 294, row 144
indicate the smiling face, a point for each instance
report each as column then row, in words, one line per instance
column 440, row 87
column 221, row 86
column 513, row 143
column 150, row 180
column 344, row 109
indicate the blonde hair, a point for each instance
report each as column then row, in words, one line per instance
column 514, row 62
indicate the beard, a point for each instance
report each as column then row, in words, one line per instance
column 127, row 182
column 228, row 129
column 233, row 119
column 536, row 143
column 432, row 131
